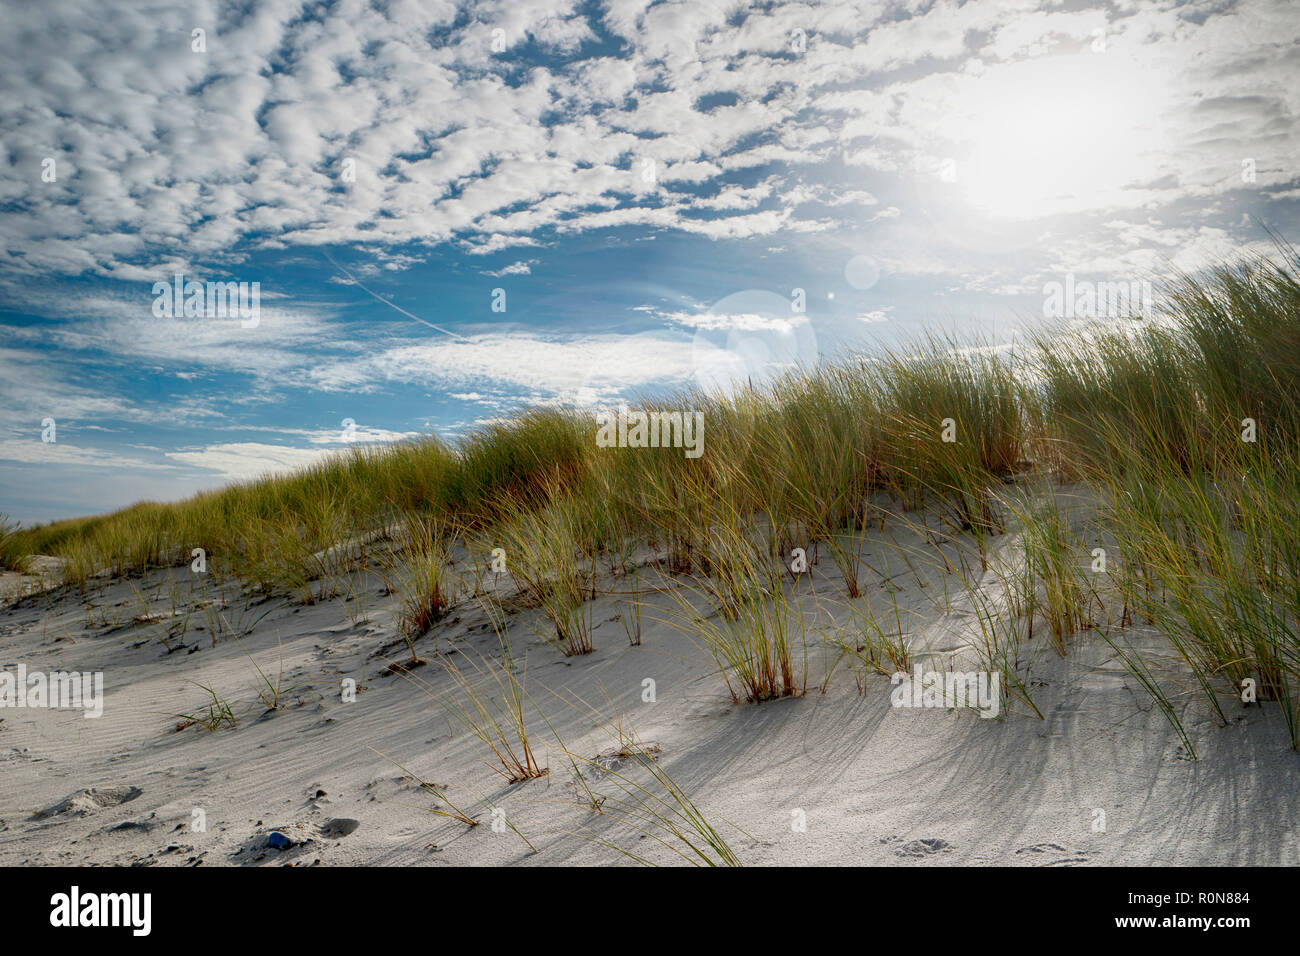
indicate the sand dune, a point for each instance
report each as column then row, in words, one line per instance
column 1101, row 778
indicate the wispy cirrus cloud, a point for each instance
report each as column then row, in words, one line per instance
column 243, row 461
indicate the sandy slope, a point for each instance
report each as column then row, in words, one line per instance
column 876, row 784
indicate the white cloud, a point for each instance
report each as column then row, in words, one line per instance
column 241, row 461
column 542, row 367
column 123, row 324
column 166, row 156
column 63, row 453
column 736, row 321
column 520, row 268
column 356, row 434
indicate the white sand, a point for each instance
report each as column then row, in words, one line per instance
column 877, row 785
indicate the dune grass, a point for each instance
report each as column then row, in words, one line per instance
column 1191, row 433
column 1055, row 583
column 550, row 550
column 13, row 556
column 654, row 806
column 424, row 580
column 1186, row 426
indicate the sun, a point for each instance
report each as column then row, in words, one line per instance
column 1058, row 134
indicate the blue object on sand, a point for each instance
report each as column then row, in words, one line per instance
column 278, row 841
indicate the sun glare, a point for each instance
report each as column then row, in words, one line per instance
column 1058, row 134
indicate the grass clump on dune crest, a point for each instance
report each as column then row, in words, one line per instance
column 13, row 556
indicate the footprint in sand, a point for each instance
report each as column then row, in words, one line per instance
column 89, row 800
column 917, row 849
column 1054, row 849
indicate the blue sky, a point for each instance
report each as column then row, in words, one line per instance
column 648, row 181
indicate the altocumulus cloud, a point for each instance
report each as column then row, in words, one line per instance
column 487, row 122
